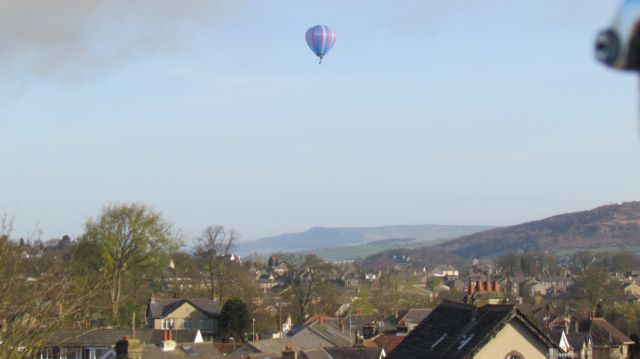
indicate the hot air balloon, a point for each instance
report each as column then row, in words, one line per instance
column 320, row 39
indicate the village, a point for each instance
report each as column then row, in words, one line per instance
column 284, row 305
column 319, row 180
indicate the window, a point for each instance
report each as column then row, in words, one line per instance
column 168, row 324
column 187, row 323
column 514, row 355
column 71, row 353
column 46, row 353
column 206, row 324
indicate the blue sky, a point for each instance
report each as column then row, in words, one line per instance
column 424, row 112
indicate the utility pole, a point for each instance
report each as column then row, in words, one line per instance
column 349, row 326
column 172, row 265
column 253, row 329
column 280, row 305
column 133, row 325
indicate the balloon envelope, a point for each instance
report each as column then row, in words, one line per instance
column 320, row 39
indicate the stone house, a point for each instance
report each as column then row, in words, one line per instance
column 184, row 314
column 455, row 330
column 632, row 288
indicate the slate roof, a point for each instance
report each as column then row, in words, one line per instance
column 95, row 337
column 270, row 345
column 415, row 315
column 328, row 331
column 603, row 333
column 578, row 340
column 353, row 353
column 318, row 353
column 455, row 330
column 203, row 350
column 159, row 308
column 357, row 322
column 104, row 337
column 316, row 335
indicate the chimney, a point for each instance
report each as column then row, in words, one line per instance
column 487, row 285
column 471, row 288
column 289, row 353
column 496, row 286
column 480, row 286
column 369, row 330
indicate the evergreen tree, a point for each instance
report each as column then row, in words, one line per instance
column 235, row 319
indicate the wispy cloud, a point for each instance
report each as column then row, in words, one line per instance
column 70, row 37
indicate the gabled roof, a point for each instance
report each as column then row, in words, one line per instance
column 578, row 340
column 160, row 308
column 562, row 340
column 272, row 346
column 387, row 341
column 108, row 337
column 353, row 353
column 603, row 333
column 317, row 353
column 317, row 335
column 456, row 330
column 415, row 315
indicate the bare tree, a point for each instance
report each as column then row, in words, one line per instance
column 306, row 276
column 213, row 248
column 33, row 308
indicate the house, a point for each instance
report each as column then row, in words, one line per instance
column 533, row 287
column 456, row 330
column 267, row 281
column 292, row 352
column 412, row 318
column 184, row 314
column 272, row 347
column 280, row 270
column 388, row 342
column 371, row 277
column 573, row 345
column 607, row 341
column 352, row 282
column 99, row 343
column 557, row 284
column 581, row 344
column 343, row 353
column 448, row 271
column 632, row 288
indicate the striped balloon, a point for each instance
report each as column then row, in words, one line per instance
column 320, row 39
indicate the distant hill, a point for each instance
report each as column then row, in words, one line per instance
column 611, row 226
column 326, row 237
column 427, row 256
column 333, row 254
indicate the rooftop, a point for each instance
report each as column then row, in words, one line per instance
column 457, row 330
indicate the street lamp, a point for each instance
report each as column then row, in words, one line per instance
column 253, row 329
